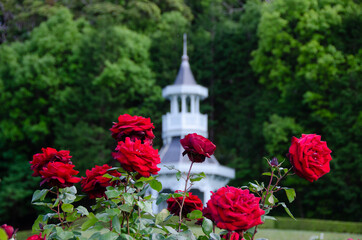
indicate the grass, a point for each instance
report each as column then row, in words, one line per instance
column 288, row 229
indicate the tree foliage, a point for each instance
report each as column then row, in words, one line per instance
column 273, row 68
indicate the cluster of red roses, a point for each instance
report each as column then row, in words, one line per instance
column 237, row 210
column 230, row 208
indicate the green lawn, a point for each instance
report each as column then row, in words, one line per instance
column 272, row 234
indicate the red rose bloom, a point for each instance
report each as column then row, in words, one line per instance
column 192, row 202
column 135, row 127
column 137, row 157
column 8, row 229
column 234, row 236
column 197, row 147
column 40, row 160
column 36, row 237
column 95, row 184
column 59, row 174
column 234, row 209
column 310, row 156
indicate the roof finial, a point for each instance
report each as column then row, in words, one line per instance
column 184, row 56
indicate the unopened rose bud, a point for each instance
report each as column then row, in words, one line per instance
column 274, row 162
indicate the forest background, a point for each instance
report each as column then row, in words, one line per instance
column 274, row 69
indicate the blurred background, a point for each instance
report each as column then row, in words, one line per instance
column 274, row 69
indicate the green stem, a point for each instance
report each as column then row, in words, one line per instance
column 184, row 196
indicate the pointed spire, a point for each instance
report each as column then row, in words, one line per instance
column 185, row 76
column 184, row 56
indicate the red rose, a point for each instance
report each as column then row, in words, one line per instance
column 59, row 174
column 310, row 156
column 95, row 184
column 40, row 160
column 234, row 209
column 8, row 229
column 137, row 157
column 36, row 237
column 135, row 127
column 192, row 202
column 234, row 236
column 197, row 147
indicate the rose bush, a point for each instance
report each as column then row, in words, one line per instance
column 123, row 210
column 310, row 156
column 197, row 147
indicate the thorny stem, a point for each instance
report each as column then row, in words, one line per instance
column 184, row 196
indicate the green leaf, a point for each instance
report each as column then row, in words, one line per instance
column 67, row 207
column 126, row 208
column 197, row 177
column 162, row 197
column 156, row 236
column 171, row 167
column 214, row 236
column 113, row 193
column 287, row 210
column 196, row 214
column 116, row 224
column 290, row 194
column 35, row 228
column 109, row 236
column 3, row 235
column 125, row 237
column 178, row 175
column 39, row 194
column 103, row 217
column 170, row 230
column 146, row 206
column 82, row 210
column 207, row 226
column 64, row 234
column 156, row 185
column 161, row 216
column 89, row 223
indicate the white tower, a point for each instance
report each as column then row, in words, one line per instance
column 184, row 118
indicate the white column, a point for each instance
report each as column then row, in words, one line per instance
column 183, row 106
column 197, row 108
column 174, row 105
column 192, row 102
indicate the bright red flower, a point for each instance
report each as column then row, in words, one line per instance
column 8, row 229
column 234, row 209
column 36, row 237
column 234, row 236
column 40, row 160
column 310, row 156
column 59, row 174
column 197, row 147
column 192, row 202
column 137, row 157
column 95, row 184
column 134, row 127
